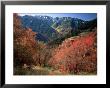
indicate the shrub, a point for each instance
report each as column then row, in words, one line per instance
column 75, row 55
column 26, row 49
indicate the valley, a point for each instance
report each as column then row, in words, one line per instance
column 54, row 46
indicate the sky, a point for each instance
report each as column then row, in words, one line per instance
column 83, row 16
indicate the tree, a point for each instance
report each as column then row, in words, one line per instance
column 27, row 50
column 25, row 45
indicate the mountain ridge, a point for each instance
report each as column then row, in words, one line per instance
column 54, row 28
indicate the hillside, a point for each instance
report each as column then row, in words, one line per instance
column 51, row 28
column 44, row 50
column 41, row 25
column 76, row 54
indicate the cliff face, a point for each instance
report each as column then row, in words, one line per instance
column 76, row 54
column 50, row 28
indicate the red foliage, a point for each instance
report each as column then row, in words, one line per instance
column 86, row 41
column 26, row 48
column 76, row 54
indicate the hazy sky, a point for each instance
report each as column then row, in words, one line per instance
column 83, row 16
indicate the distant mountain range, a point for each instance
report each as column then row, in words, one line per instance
column 49, row 29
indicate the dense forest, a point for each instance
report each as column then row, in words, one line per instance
column 54, row 46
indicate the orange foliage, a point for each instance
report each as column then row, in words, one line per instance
column 76, row 54
column 26, row 49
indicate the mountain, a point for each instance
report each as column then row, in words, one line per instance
column 66, row 24
column 50, row 29
column 41, row 25
column 71, row 49
column 40, row 37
